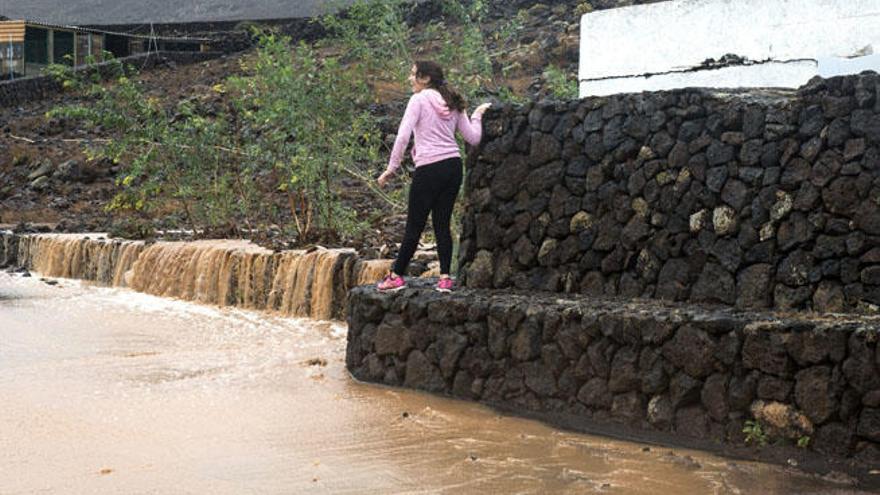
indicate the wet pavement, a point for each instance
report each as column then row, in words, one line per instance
column 113, row 391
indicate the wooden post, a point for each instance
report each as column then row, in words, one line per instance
column 50, row 43
column 10, row 56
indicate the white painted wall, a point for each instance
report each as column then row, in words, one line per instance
column 834, row 66
column 619, row 45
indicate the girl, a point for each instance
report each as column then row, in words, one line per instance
column 433, row 114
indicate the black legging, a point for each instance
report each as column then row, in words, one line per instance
column 433, row 190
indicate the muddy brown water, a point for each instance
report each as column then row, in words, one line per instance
column 112, row 391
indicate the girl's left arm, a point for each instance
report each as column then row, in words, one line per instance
column 471, row 129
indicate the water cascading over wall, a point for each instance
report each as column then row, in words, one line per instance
column 312, row 283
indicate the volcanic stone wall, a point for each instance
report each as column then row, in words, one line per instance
column 21, row 91
column 8, row 250
column 755, row 200
column 697, row 374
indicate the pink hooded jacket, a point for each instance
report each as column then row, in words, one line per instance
column 434, row 126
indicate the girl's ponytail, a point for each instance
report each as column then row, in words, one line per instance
column 454, row 100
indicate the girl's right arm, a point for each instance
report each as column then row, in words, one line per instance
column 410, row 117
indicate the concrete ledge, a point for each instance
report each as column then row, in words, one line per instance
column 668, row 372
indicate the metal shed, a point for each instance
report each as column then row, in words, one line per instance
column 28, row 47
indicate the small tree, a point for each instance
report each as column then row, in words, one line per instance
column 560, row 84
column 306, row 127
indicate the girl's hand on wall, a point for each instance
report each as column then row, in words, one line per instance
column 482, row 109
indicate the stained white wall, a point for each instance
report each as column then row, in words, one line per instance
column 618, row 46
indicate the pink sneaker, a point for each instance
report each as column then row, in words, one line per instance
column 445, row 285
column 391, row 283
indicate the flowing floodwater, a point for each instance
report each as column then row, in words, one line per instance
column 105, row 390
column 312, row 283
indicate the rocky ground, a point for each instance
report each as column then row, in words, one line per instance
column 46, row 176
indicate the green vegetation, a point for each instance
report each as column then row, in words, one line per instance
column 169, row 155
column 583, row 8
column 304, row 125
column 561, row 85
column 755, row 433
column 372, row 40
column 803, row 442
column 272, row 145
column 465, row 51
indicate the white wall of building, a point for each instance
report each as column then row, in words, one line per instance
column 620, row 46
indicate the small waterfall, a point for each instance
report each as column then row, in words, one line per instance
column 313, row 283
column 304, row 283
column 371, row 271
column 81, row 257
column 195, row 271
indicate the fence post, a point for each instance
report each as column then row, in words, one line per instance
column 10, row 53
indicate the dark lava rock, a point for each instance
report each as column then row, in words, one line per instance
column 684, row 390
column 816, row 394
column 691, row 349
column 661, row 414
column 753, row 286
column 595, row 393
column 774, row 388
column 741, row 391
column 869, row 424
column 624, row 371
column 860, row 367
column 714, row 397
column 816, row 345
column 628, row 408
column 421, row 374
column 833, row 439
column 692, row 422
column 715, row 285
column 764, row 349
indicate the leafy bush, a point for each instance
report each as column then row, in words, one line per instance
column 560, row 84
column 85, row 80
column 583, row 8
column 755, row 433
column 304, row 124
column 169, row 156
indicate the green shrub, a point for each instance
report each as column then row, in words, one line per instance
column 755, row 433
column 304, row 124
column 560, row 84
column 583, row 8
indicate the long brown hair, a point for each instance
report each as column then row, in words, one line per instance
column 433, row 71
